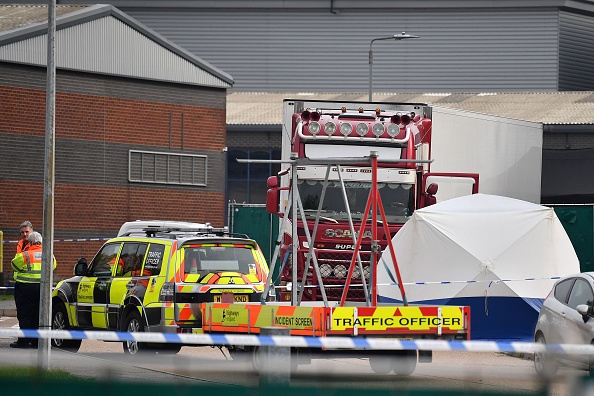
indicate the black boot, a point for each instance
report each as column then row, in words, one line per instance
column 20, row 343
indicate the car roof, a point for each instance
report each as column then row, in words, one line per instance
column 182, row 231
column 589, row 274
column 137, row 228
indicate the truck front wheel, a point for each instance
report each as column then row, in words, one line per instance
column 380, row 364
column 404, row 362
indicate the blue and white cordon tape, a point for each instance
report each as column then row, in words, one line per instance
column 490, row 281
column 305, row 342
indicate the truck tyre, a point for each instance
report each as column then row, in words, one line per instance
column 544, row 363
column 380, row 364
column 133, row 324
column 404, row 362
column 60, row 322
column 256, row 359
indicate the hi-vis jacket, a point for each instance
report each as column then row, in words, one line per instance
column 27, row 265
column 22, row 245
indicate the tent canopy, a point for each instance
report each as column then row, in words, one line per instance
column 478, row 247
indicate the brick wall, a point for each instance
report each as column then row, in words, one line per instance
column 98, row 120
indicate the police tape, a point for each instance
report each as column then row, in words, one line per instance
column 6, row 287
column 70, row 240
column 339, row 342
column 490, row 281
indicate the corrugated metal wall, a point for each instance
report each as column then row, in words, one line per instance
column 576, row 52
column 116, row 49
column 460, row 50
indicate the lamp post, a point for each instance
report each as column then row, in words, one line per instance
column 396, row 37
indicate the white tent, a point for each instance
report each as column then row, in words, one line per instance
column 498, row 255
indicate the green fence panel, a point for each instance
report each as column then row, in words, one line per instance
column 258, row 224
column 42, row 387
column 578, row 223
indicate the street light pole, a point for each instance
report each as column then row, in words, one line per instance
column 396, row 37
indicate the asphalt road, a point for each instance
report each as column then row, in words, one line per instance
column 468, row 371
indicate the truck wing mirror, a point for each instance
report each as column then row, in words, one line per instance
column 432, row 189
column 272, row 201
column 272, row 182
column 273, row 196
column 430, row 195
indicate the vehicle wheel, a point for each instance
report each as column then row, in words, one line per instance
column 60, row 322
column 256, row 359
column 380, row 364
column 544, row 363
column 133, row 324
column 256, row 355
column 404, row 362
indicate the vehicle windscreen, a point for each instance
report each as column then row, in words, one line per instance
column 204, row 259
column 397, row 199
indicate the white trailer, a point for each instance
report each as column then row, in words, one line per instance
column 505, row 152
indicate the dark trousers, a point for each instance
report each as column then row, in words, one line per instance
column 27, row 304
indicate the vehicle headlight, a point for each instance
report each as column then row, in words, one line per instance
column 340, row 271
column 356, row 272
column 325, row 270
column 314, row 127
column 378, row 130
column 362, row 129
column 393, row 130
column 329, row 128
column 346, row 129
column 366, row 272
column 289, row 286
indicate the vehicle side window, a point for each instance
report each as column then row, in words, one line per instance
column 562, row 290
column 131, row 259
column 581, row 293
column 154, row 259
column 104, row 260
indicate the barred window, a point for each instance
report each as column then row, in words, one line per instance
column 167, row 168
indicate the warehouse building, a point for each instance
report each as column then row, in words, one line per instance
column 140, row 128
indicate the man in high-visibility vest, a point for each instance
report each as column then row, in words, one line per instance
column 27, row 274
column 25, row 229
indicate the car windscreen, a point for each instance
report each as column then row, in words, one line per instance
column 204, row 259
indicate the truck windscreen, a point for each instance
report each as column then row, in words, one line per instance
column 397, row 199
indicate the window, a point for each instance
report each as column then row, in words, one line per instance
column 581, row 293
column 246, row 182
column 167, row 168
column 131, row 259
column 562, row 290
column 104, row 260
column 154, row 259
column 206, row 259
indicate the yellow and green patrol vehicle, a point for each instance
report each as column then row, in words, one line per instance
column 153, row 278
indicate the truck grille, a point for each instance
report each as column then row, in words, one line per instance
column 334, row 268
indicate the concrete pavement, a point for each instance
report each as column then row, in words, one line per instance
column 8, row 308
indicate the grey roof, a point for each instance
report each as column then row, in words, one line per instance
column 101, row 39
column 576, row 108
